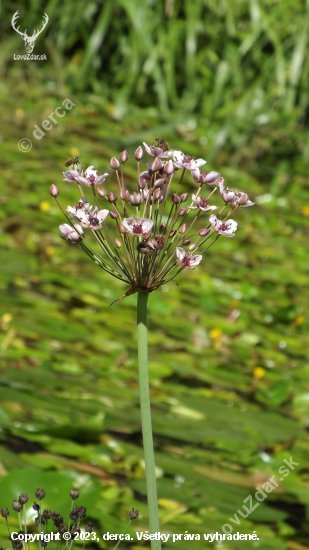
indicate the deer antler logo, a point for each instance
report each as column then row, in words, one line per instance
column 29, row 40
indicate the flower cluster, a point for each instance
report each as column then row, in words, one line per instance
column 44, row 519
column 146, row 236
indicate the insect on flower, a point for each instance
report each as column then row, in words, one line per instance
column 145, row 235
column 72, row 161
column 162, row 144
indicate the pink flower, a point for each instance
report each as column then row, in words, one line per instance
column 154, row 151
column 202, row 204
column 135, row 227
column 73, row 234
column 205, row 177
column 236, row 199
column 88, row 216
column 71, row 175
column 91, row 178
column 185, row 161
column 186, row 260
column 226, row 228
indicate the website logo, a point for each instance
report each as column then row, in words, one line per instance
column 29, row 40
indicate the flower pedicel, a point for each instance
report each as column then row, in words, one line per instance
column 152, row 222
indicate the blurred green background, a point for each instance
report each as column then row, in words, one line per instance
column 226, row 80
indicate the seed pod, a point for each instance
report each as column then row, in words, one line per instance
column 118, row 243
column 184, row 197
column 133, row 514
column 74, row 494
column 23, row 498
column 40, row 493
column 175, row 199
column 54, row 191
column 182, row 211
column 182, row 228
column 203, row 232
column 139, row 153
column 114, row 163
column 112, row 197
column 17, row 506
column 101, row 191
column 124, row 156
column 113, row 214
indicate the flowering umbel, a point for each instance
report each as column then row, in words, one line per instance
column 142, row 234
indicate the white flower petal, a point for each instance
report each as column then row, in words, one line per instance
column 180, row 253
column 146, row 224
column 102, row 215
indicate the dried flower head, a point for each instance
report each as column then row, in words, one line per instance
column 74, row 494
column 40, row 493
column 140, row 239
column 133, row 514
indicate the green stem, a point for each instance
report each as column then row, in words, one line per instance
column 154, row 525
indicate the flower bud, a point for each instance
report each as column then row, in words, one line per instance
column 203, row 232
column 113, row 214
column 192, row 246
column 162, row 226
column 182, row 211
column 169, row 167
column 184, row 197
column 156, row 165
column 160, row 182
column 128, row 196
column 141, row 184
column 139, row 153
column 146, row 248
column 173, row 233
column 136, row 199
column 123, row 194
column 122, row 228
column 124, row 156
column 101, row 191
column 112, row 197
column 118, row 243
column 114, row 163
column 54, row 191
column 186, row 242
column 158, row 241
column 182, row 228
column 157, row 194
column 175, row 199
column 211, row 176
